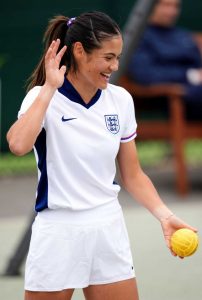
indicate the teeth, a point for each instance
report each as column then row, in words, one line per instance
column 107, row 75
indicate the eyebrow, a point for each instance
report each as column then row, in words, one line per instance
column 113, row 54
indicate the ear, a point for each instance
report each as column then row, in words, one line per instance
column 78, row 50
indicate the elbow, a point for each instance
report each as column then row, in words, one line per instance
column 16, row 147
column 132, row 180
column 18, row 150
column 126, row 183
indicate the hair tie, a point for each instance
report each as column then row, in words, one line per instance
column 70, row 21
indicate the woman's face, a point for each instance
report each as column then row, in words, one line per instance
column 96, row 68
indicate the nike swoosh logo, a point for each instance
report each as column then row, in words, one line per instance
column 68, row 119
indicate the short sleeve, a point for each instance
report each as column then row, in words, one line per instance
column 28, row 100
column 130, row 126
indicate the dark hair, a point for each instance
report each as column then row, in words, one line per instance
column 90, row 29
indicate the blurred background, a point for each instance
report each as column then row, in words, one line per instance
column 22, row 24
column 21, row 29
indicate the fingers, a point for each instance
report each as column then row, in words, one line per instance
column 169, row 246
column 177, row 223
column 52, row 51
column 182, row 224
column 173, row 253
column 167, row 239
column 192, row 228
column 54, row 46
column 63, row 70
column 61, row 53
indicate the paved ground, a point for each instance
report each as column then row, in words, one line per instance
column 160, row 276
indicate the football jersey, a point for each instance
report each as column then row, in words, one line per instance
column 78, row 144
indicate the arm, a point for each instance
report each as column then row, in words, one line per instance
column 137, row 183
column 23, row 133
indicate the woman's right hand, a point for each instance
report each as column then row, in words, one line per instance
column 54, row 74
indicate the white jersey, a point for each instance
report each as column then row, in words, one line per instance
column 78, row 145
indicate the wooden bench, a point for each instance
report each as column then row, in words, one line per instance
column 174, row 128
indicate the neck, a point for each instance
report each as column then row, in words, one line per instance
column 86, row 92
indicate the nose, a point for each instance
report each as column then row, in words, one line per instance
column 114, row 65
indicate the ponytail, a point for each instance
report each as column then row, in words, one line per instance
column 56, row 29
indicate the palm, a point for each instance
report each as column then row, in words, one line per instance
column 54, row 74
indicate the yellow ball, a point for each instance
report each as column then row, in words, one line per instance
column 184, row 242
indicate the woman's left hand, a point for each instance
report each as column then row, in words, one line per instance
column 170, row 225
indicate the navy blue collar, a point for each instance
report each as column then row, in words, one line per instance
column 68, row 90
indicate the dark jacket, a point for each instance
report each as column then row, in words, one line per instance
column 164, row 55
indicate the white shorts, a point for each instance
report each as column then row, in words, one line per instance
column 68, row 250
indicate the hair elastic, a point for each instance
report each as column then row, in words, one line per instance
column 70, row 21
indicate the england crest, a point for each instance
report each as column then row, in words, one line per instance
column 112, row 123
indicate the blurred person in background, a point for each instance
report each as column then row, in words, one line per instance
column 168, row 54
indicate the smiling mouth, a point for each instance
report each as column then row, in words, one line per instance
column 106, row 76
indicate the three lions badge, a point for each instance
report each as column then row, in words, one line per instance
column 112, row 123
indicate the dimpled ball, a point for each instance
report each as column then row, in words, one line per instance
column 184, row 242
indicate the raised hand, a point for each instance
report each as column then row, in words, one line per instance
column 54, row 74
column 170, row 225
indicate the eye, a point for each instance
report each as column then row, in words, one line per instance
column 108, row 58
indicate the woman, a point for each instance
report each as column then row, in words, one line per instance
column 79, row 124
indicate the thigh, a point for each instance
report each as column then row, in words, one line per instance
column 122, row 290
column 63, row 295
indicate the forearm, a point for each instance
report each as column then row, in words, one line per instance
column 23, row 133
column 141, row 188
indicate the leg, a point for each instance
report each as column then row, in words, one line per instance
column 122, row 290
column 63, row 295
